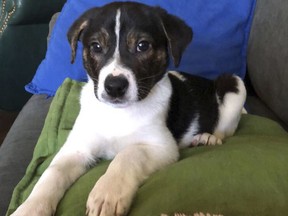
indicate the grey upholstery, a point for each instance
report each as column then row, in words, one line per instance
column 268, row 55
column 17, row 149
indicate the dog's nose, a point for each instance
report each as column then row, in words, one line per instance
column 116, row 86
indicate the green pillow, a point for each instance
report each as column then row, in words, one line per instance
column 247, row 175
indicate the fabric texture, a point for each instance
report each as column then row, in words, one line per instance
column 17, row 148
column 23, row 31
column 247, row 175
column 221, row 29
column 268, row 54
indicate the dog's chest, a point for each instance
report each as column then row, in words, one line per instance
column 116, row 123
column 116, row 129
column 113, row 124
column 109, row 122
column 142, row 122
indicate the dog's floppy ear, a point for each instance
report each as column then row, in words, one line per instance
column 178, row 34
column 74, row 33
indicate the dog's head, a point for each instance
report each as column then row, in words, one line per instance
column 126, row 48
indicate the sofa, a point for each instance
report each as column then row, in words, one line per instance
column 266, row 78
column 23, row 28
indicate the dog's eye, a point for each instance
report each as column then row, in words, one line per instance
column 96, row 47
column 143, row 46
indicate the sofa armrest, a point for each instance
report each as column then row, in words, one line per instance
column 268, row 54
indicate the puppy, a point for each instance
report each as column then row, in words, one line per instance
column 132, row 110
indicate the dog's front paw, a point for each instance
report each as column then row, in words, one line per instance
column 110, row 197
column 34, row 207
column 206, row 139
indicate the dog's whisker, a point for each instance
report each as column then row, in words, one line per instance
column 94, row 79
column 149, row 77
column 144, row 89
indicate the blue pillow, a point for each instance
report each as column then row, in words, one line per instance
column 221, row 30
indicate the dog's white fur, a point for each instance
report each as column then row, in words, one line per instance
column 232, row 103
column 135, row 135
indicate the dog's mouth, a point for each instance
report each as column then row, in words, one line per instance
column 116, row 102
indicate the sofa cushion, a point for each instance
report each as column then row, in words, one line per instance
column 268, row 54
column 247, row 175
column 221, row 30
column 17, row 149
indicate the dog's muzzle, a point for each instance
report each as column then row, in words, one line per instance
column 116, row 86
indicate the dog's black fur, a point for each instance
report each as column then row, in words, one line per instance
column 139, row 20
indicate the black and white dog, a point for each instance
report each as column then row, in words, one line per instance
column 132, row 110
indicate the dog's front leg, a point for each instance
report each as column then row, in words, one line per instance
column 67, row 166
column 114, row 191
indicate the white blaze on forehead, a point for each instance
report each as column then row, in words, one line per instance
column 117, row 33
column 115, row 68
